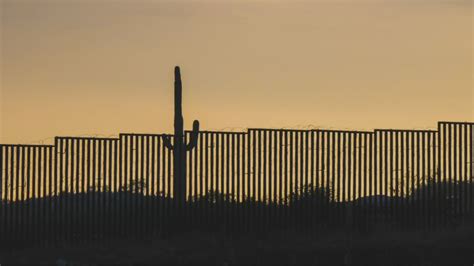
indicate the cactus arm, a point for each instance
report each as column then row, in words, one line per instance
column 167, row 142
column 194, row 136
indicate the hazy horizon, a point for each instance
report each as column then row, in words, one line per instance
column 83, row 68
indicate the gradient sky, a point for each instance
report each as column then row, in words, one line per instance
column 83, row 68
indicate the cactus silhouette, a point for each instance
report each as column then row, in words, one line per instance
column 179, row 147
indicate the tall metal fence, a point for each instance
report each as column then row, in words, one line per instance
column 83, row 189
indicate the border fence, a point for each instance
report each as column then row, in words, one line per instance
column 82, row 189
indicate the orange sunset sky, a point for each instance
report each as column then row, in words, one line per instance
column 98, row 68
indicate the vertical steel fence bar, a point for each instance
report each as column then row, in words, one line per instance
column 329, row 180
column 170, row 162
column 231, row 152
column 225, row 186
column 206, row 179
column 46, row 194
column 375, row 175
column 65, row 178
column 366, row 179
column 215, row 175
column 464, row 180
column 311, row 177
column 50, row 233
column 70, row 188
column 269, row 189
column 88, row 194
column 307, row 187
column 80, row 193
column 196, row 177
column 291, row 176
column 77, row 195
column 356, row 178
column 458, row 179
column 443, row 183
column 423, row 181
column 190, row 187
column 471, row 172
column 466, row 173
column 31, row 195
column 38, row 198
column 429, row 180
column 382, row 173
column 102, row 190
column 281, row 179
column 121, row 185
column 274, row 180
column 396, row 215
column 106, row 223
column 141, row 186
column 453, row 162
column 60, row 194
column 403, row 173
column 128, row 186
column 250, row 173
column 136, row 185
column 23, row 204
column 254, row 176
column 318, row 180
column 390, row 184
column 13, row 171
column 163, row 196
column 14, row 189
column 410, row 170
column 417, row 187
column 3, row 199
column 156, row 189
column 258, row 181
column 200, row 189
column 412, row 177
column 359, row 173
column 96, row 187
column 226, row 206
column 385, row 151
column 83, row 193
column 115, row 187
column 240, row 178
column 349, row 177
column 345, row 177
column 332, row 192
column 339, row 200
column 69, row 178
column 371, row 142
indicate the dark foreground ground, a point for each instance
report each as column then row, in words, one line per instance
column 416, row 248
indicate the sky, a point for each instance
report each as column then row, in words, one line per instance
column 99, row 68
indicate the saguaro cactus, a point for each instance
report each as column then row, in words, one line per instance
column 179, row 147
